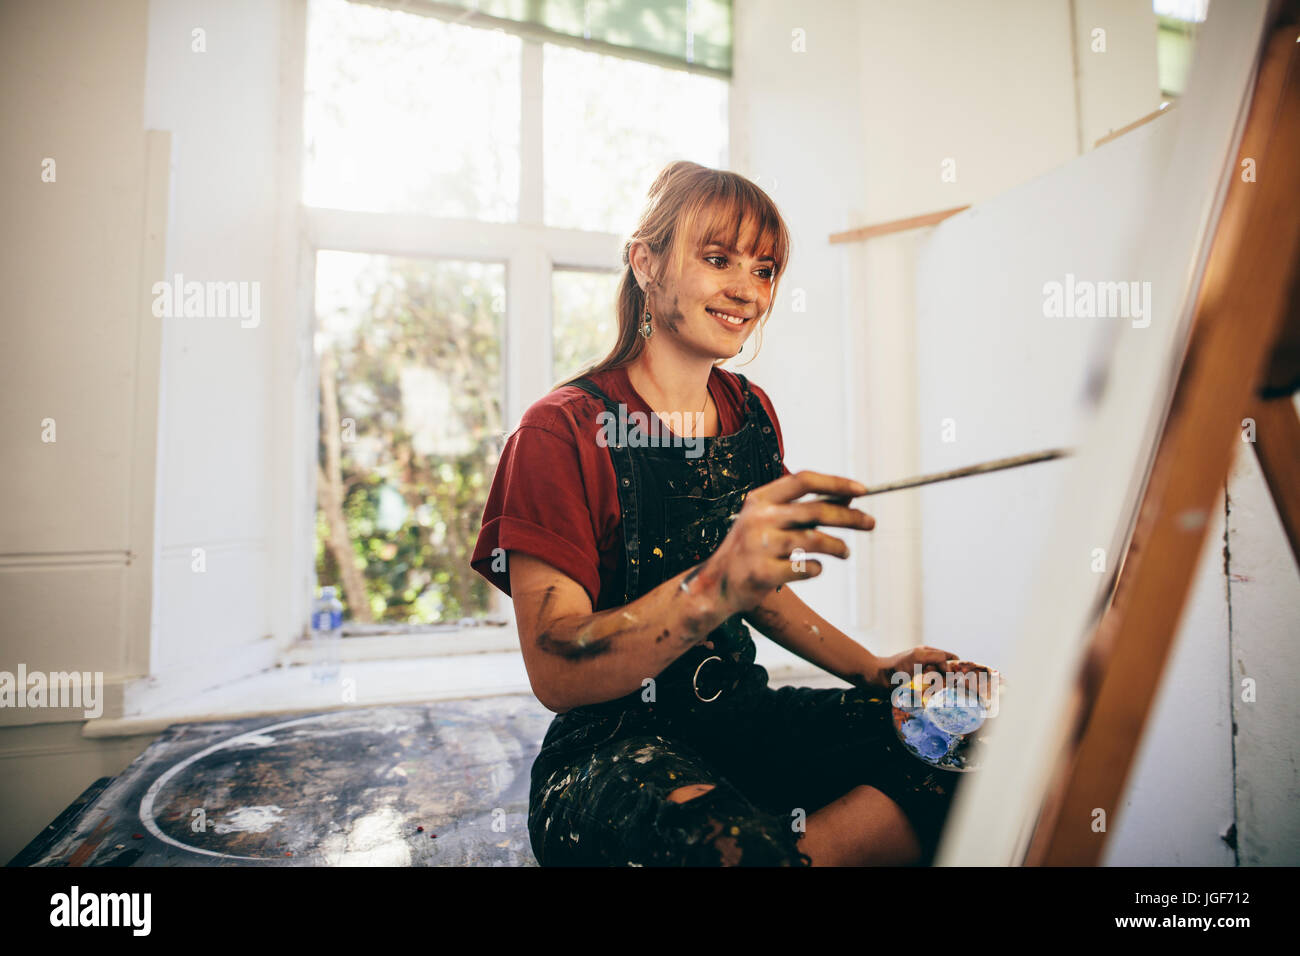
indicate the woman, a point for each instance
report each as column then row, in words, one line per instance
column 636, row 544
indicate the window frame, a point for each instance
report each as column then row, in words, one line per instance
column 530, row 251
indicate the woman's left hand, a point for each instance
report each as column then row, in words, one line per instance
column 930, row 659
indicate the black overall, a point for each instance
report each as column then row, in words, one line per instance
column 600, row 784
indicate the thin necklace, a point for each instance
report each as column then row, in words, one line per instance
column 707, row 397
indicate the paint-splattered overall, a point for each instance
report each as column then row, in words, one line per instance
column 600, row 786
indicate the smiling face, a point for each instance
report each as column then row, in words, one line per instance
column 713, row 303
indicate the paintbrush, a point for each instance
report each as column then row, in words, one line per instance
column 997, row 465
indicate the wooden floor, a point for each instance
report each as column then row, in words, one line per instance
column 438, row 784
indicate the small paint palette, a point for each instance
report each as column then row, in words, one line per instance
column 945, row 723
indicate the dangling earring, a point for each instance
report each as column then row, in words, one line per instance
column 647, row 329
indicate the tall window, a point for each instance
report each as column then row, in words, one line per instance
column 1177, row 22
column 584, row 327
column 466, row 191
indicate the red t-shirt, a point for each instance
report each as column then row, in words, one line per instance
column 554, row 495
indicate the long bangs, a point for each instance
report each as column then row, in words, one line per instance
column 733, row 207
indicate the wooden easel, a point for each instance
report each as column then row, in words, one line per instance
column 1242, row 360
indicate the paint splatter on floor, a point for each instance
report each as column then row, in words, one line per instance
column 342, row 788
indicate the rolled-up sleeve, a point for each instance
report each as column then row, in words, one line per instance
column 537, row 505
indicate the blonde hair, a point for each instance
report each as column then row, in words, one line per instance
column 683, row 197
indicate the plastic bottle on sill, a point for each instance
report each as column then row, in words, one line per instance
column 326, row 636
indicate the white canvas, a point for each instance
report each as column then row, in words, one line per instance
column 1140, row 208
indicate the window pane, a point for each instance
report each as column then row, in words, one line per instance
column 1175, row 45
column 693, row 31
column 584, row 324
column 410, row 114
column 411, row 395
column 611, row 124
column 1182, row 9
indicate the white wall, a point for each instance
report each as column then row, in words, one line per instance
column 222, row 394
column 76, row 539
column 74, row 256
column 985, row 88
column 207, row 393
column 168, row 160
column 1118, row 81
column 1263, row 586
column 853, row 131
column 797, row 132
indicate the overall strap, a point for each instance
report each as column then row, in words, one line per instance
column 625, row 474
column 751, row 399
column 759, row 416
column 590, row 387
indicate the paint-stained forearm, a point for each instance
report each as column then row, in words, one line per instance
column 788, row 621
column 590, row 658
column 575, row 657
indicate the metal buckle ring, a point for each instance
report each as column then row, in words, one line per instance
column 695, row 680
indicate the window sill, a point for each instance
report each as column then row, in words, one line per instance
column 445, row 642
column 287, row 690
column 361, row 683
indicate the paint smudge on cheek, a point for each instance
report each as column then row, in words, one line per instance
column 673, row 316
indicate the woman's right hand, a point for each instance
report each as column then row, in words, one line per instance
column 773, row 531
